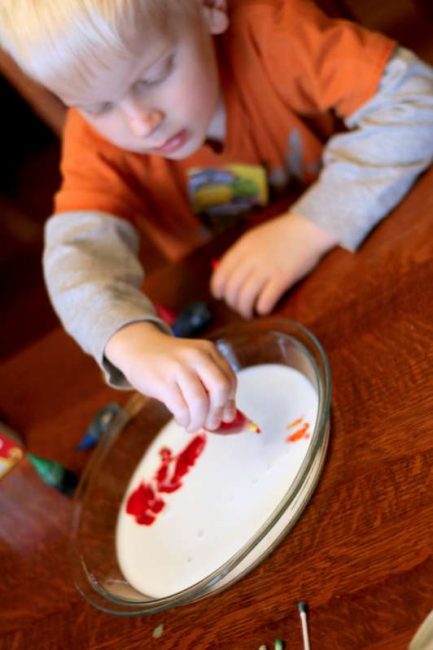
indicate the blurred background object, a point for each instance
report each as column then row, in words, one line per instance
column 32, row 122
column 28, row 179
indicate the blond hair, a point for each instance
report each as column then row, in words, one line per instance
column 52, row 38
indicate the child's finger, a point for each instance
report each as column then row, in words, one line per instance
column 270, row 295
column 229, row 412
column 214, row 418
column 196, row 398
column 173, row 399
column 220, row 391
column 234, row 284
column 228, row 372
column 226, row 266
column 248, row 294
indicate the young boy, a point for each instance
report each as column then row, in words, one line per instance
column 186, row 113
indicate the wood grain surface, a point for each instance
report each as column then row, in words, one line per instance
column 360, row 556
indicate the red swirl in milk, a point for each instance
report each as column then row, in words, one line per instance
column 145, row 502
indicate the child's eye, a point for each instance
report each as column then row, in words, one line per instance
column 158, row 75
column 101, row 109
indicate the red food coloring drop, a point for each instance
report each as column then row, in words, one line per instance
column 170, row 486
column 183, row 462
column 299, row 433
column 144, row 503
column 157, row 505
column 294, row 423
column 134, row 505
column 162, row 471
column 145, row 519
column 189, row 455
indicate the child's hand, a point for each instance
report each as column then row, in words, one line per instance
column 266, row 261
column 189, row 376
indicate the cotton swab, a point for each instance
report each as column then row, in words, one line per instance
column 302, row 608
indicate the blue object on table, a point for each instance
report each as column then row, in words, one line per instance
column 192, row 319
column 98, row 426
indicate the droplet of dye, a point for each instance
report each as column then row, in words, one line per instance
column 200, row 533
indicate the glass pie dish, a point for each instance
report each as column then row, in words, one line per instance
column 269, row 477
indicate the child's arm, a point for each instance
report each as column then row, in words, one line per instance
column 93, row 278
column 366, row 173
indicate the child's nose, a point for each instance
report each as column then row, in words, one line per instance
column 143, row 122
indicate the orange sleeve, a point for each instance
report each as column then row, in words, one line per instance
column 94, row 174
column 317, row 63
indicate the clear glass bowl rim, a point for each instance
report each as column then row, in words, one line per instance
column 96, row 594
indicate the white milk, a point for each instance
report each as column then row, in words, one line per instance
column 227, row 495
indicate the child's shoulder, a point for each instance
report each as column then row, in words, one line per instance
column 79, row 136
column 77, row 128
column 82, row 144
column 314, row 60
column 300, row 28
column 267, row 24
column 275, row 11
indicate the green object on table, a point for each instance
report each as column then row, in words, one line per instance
column 54, row 474
column 278, row 644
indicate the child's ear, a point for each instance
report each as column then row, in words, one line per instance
column 215, row 14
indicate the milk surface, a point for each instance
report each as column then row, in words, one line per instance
column 230, row 492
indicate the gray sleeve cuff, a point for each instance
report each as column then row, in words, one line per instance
column 368, row 170
column 93, row 278
column 112, row 375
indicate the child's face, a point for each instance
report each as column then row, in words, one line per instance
column 160, row 101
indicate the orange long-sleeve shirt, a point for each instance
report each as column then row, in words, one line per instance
column 286, row 71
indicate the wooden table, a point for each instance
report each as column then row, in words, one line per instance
column 361, row 555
